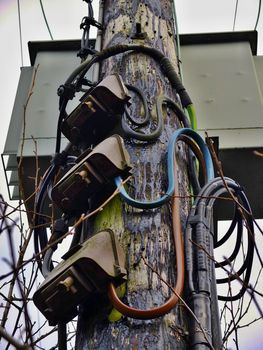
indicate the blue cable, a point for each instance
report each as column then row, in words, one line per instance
column 170, row 164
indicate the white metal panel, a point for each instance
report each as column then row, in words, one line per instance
column 44, row 146
column 222, row 82
column 39, row 122
column 53, row 68
column 16, row 121
column 258, row 61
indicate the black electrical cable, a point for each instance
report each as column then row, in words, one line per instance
column 164, row 100
column 184, row 120
column 258, row 14
column 60, row 228
column 71, row 161
column 142, row 121
column 206, row 199
column 40, row 234
column 67, row 91
column 20, row 31
column 192, row 155
column 62, row 335
column 237, row 247
column 152, row 136
column 45, row 18
column 198, row 265
column 247, row 264
column 47, row 263
column 199, row 250
column 195, row 217
column 235, row 15
column 236, row 218
column 85, row 25
column 157, row 55
column 166, row 65
column 62, row 116
column 193, row 174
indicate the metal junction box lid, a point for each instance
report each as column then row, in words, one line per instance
column 85, row 271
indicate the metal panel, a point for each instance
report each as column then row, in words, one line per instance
column 16, row 121
column 250, row 36
column 222, row 82
column 53, row 68
column 14, row 181
column 258, row 61
column 9, row 156
column 244, row 166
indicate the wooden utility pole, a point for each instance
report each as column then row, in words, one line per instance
column 146, row 233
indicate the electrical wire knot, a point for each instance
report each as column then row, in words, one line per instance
column 90, row 21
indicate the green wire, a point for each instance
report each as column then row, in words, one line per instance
column 192, row 116
column 193, row 120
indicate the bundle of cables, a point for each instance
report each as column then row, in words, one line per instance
column 199, row 245
column 201, row 150
column 199, row 239
column 76, row 81
column 62, row 160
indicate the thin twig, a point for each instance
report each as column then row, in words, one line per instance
column 181, row 299
column 12, row 340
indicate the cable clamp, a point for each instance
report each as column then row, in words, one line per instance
column 60, row 228
column 90, row 21
column 66, row 91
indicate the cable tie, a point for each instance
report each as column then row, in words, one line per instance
column 87, row 82
column 198, row 219
column 85, row 51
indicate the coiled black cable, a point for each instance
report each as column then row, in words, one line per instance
column 146, row 118
column 239, row 224
column 206, row 199
column 74, row 81
column 40, row 222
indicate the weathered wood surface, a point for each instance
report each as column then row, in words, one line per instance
column 141, row 232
